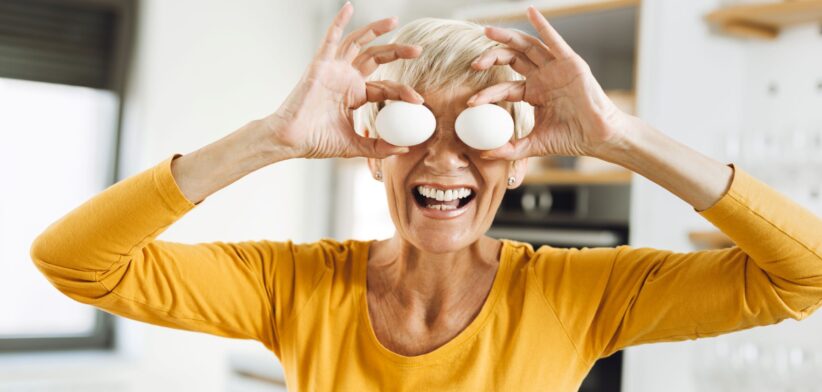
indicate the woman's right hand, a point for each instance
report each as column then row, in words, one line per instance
column 316, row 120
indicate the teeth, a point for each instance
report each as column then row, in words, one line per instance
column 443, row 195
column 441, row 207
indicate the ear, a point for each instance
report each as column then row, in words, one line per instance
column 517, row 170
column 375, row 165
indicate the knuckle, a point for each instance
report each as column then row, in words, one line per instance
column 384, row 58
column 371, row 50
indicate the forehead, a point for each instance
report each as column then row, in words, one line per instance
column 451, row 100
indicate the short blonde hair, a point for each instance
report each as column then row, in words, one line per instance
column 448, row 48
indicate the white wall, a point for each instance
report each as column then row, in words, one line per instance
column 203, row 69
column 698, row 86
column 689, row 85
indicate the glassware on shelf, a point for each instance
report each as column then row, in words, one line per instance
column 785, row 154
column 751, row 367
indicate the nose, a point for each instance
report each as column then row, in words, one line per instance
column 445, row 154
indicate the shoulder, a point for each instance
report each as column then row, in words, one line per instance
column 300, row 268
column 548, row 253
column 327, row 252
column 329, row 247
column 549, row 262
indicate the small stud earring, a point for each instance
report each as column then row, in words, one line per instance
column 378, row 175
column 511, row 180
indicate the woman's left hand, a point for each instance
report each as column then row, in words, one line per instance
column 572, row 114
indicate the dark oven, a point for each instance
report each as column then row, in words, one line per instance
column 570, row 216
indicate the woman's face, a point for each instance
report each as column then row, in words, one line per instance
column 452, row 220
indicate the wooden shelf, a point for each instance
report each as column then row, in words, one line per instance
column 575, row 177
column 764, row 21
column 505, row 12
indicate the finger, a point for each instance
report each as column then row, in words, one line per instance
column 555, row 42
column 354, row 42
column 504, row 56
column 375, row 148
column 368, row 61
column 384, row 90
column 511, row 151
column 513, row 91
column 332, row 36
column 532, row 47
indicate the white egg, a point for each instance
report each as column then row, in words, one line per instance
column 405, row 124
column 485, row 127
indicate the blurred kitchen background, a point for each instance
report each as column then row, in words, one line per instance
column 92, row 91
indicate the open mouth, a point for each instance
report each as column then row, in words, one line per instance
column 442, row 199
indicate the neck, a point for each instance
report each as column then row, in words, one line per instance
column 415, row 276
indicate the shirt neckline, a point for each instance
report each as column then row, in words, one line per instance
column 444, row 351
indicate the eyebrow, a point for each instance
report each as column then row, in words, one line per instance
column 381, row 104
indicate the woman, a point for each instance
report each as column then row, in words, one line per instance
column 440, row 306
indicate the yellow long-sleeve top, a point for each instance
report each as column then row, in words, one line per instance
column 549, row 315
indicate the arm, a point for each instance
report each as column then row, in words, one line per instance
column 612, row 298
column 695, row 178
column 219, row 164
column 105, row 252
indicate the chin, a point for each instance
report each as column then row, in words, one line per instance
column 441, row 231
column 442, row 218
column 441, row 241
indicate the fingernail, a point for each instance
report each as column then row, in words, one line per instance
column 402, row 150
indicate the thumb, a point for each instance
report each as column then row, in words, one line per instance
column 376, row 148
column 511, row 151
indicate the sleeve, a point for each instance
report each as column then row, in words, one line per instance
column 104, row 253
column 609, row 299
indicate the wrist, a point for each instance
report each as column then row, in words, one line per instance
column 210, row 168
column 695, row 178
column 631, row 135
column 270, row 143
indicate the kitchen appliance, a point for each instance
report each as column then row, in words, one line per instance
column 570, row 215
